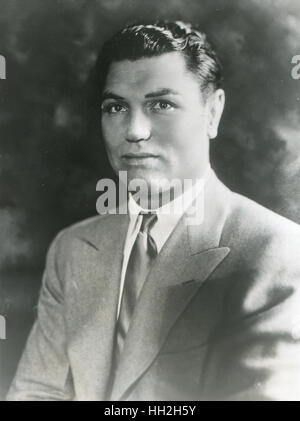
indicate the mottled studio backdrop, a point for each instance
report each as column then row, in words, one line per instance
column 50, row 151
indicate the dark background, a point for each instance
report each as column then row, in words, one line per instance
column 51, row 155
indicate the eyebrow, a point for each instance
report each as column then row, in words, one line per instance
column 111, row 95
column 160, row 92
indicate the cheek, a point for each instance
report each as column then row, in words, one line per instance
column 110, row 133
column 194, row 124
column 183, row 134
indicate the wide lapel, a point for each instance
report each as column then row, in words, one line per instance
column 187, row 259
column 96, row 276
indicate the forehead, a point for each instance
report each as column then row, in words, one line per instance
column 147, row 74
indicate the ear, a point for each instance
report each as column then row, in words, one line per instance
column 215, row 104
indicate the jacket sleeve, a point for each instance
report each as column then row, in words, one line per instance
column 44, row 372
column 257, row 355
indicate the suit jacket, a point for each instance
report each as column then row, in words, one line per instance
column 217, row 318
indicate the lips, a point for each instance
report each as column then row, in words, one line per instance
column 139, row 155
column 141, row 159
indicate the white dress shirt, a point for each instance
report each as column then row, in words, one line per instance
column 168, row 216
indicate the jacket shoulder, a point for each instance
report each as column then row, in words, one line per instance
column 251, row 221
column 263, row 267
column 83, row 226
column 86, row 228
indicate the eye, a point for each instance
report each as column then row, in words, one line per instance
column 162, row 105
column 114, row 108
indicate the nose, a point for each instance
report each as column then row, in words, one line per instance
column 138, row 127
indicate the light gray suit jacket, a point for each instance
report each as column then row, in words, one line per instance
column 218, row 316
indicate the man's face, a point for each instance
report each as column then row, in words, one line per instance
column 154, row 120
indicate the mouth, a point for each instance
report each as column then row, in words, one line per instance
column 139, row 159
column 138, row 156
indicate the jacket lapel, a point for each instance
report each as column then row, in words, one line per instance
column 187, row 259
column 93, row 299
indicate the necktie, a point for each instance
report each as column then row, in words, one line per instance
column 142, row 254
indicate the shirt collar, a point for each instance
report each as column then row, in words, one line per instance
column 169, row 214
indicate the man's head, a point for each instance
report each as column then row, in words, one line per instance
column 161, row 101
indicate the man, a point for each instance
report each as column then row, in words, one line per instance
column 145, row 305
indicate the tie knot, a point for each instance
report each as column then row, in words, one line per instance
column 149, row 219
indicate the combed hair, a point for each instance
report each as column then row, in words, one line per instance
column 149, row 40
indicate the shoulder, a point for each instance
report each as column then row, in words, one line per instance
column 258, row 226
column 261, row 241
column 79, row 242
column 94, row 231
column 263, row 267
column 81, row 229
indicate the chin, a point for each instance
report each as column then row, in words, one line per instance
column 155, row 187
column 141, row 173
column 152, row 178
